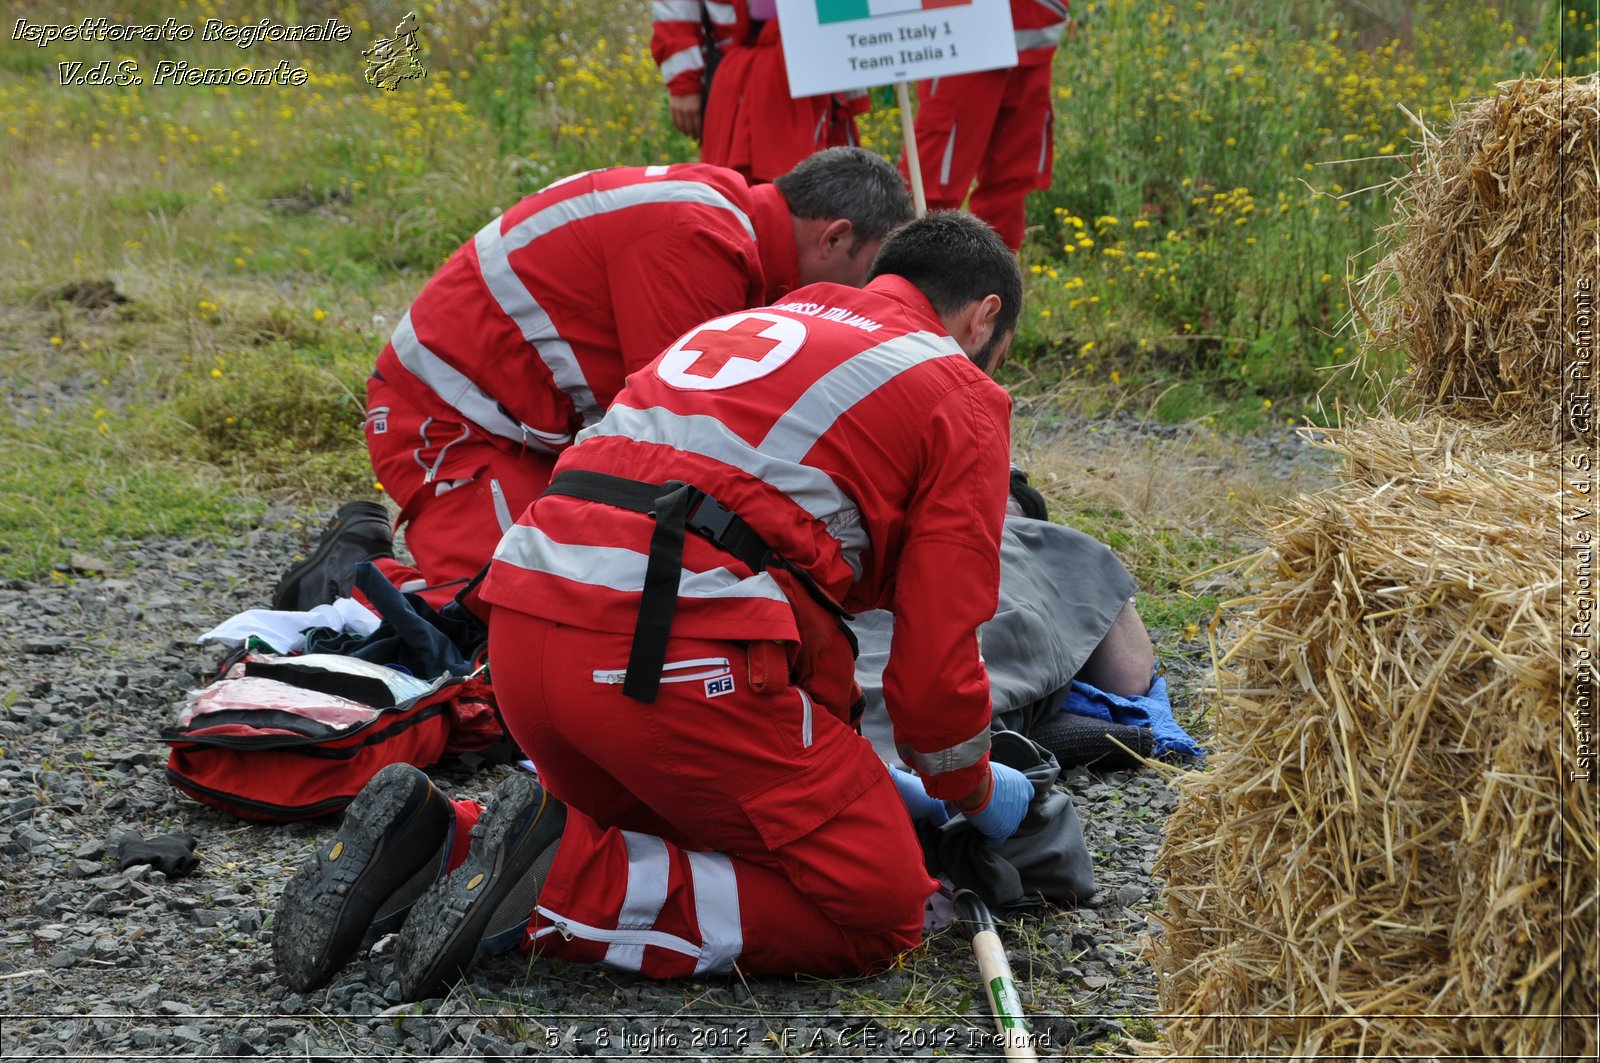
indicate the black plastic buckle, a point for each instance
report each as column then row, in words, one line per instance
column 709, row 518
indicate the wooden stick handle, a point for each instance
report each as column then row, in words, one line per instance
column 1004, row 1003
column 908, row 134
column 998, row 984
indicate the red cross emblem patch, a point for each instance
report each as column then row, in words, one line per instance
column 731, row 350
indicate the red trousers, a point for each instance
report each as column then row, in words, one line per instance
column 754, row 126
column 727, row 823
column 995, row 127
column 458, row 489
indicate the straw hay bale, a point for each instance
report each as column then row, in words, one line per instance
column 1497, row 229
column 1387, row 857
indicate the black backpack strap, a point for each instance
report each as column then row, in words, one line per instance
column 659, row 601
column 677, row 508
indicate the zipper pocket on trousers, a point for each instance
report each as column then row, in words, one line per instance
column 673, row 671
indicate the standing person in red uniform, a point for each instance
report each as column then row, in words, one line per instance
column 526, row 333
column 995, row 126
column 703, row 798
column 747, row 121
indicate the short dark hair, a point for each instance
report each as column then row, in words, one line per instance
column 954, row 259
column 850, row 183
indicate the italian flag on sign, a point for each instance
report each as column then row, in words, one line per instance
column 849, row 10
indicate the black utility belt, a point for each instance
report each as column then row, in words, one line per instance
column 701, row 513
column 677, row 508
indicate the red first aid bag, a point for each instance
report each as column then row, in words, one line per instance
column 280, row 738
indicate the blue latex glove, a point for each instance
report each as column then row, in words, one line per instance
column 918, row 803
column 1008, row 803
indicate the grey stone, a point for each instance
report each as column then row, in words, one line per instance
column 57, row 809
column 86, row 564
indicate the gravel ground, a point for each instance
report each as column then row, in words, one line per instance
column 101, row 963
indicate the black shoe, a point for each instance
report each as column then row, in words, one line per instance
column 393, row 844
column 484, row 906
column 359, row 532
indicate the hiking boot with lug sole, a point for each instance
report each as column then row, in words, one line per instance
column 484, row 906
column 359, row 532
column 393, row 844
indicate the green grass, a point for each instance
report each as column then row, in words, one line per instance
column 73, row 489
column 1217, row 187
column 1189, row 264
column 1220, row 176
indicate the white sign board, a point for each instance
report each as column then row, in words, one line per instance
column 839, row 45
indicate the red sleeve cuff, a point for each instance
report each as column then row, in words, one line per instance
column 954, row 785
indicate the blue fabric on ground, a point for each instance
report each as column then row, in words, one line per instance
column 1152, row 710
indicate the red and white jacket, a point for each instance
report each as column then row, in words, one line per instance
column 848, row 429
column 530, row 328
column 1038, row 26
column 678, row 38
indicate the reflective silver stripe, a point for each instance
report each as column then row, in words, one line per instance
column 657, row 171
column 459, row 393
column 811, row 489
column 502, row 509
column 777, row 459
column 606, row 200
column 836, row 391
column 721, row 14
column 1047, row 37
column 961, row 755
column 518, row 303
column 682, row 62
column 1056, row 7
column 949, row 156
column 620, row 569
column 716, row 909
column 559, row 181
column 648, row 867
column 675, row 11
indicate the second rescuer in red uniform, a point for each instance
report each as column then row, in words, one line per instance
column 526, row 333
column 745, row 120
column 994, row 126
column 728, row 813
column 664, row 650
